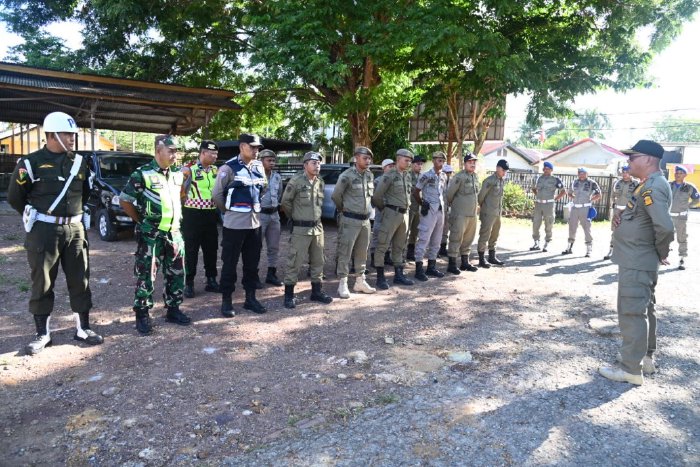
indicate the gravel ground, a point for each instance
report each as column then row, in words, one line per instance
column 496, row 367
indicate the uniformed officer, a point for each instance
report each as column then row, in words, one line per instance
column 151, row 198
column 462, row 196
column 429, row 192
column 584, row 193
column 490, row 206
column 392, row 197
column 548, row 190
column 643, row 234
column 448, row 171
column 352, row 196
column 387, row 165
column 414, row 212
column 685, row 196
column 301, row 202
column 237, row 194
column 270, row 227
column 199, row 218
column 622, row 192
column 57, row 235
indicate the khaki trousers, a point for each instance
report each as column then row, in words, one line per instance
column 680, row 224
column 299, row 247
column 462, row 233
column 580, row 215
column 393, row 231
column 636, row 315
column 488, row 233
column 542, row 212
column 353, row 240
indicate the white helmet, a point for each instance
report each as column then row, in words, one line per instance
column 59, row 122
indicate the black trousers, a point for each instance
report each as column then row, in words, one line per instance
column 199, row 230
column 247, row 244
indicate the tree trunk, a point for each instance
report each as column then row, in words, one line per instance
column 359, row 127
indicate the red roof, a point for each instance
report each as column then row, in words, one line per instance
column 586, row 140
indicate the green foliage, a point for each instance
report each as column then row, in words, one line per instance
column 677, row 130
column 515, row 201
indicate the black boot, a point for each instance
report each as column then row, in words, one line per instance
column 144, row 325
column 568, row 251
column 411, row 252
column 227, row 306
column 400, row 277
column 212, row 285
column 452, row 266
column 42, row 338
column 189, row 289
column 466, row 265
column 493, row 259
column 174, row 315
column 318, row 295
column 252, row 303
column 443, row 249
column 271, row 277
column 258, row 285
column 83, row 332
column 610, row 252
column 289, row 300
column 482, row 261
column 371, row 260
column 681, row 265
column 381, row 280
column 420, row 273
column 432, row 270
column 387, row 259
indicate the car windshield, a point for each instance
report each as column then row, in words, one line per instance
column 331, row 177
column 112, row 167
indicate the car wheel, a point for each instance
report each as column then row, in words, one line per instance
column 104, row 226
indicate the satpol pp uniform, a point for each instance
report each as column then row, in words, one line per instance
column 490, row 207
column 547, row 188
column 685, row 195
column 432, row 187
column 270, row 226
column 581, row 192
column 622, row 193
column 462, row 197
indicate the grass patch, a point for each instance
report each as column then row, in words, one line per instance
column 3, row 259
column 11, row 237
column 22, row 284
column 386, row 399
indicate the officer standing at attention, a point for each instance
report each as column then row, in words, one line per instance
column 414, row 212
column 642, row 236
column 490, row 206
column 683, row 193
column 392, row 197
column 199, row 218
column 448, row 171
column 301, row 202
column 429, row 193
column 352, row 196
column 622, row 192
column 462, row 196
column 584, row 193
column 387, row 165
column 237, row 193
column 270, row 227
column 548, row 190
column 51, row 186
column 151, row 198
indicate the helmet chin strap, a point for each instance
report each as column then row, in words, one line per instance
column 60, row 141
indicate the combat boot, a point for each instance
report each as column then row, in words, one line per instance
column 400, row 278
column 466, row 265
column 411, row 252
column 443, row 249
column 83, row 333
column 544, row 248
column 174, row 315
column 188, row 292
column 482, row 261
column 251, row 303
column 681, row 265
column 493, row 259
column 387, row 259
column 144, row 325
column 432, row 270
column 371, row 260
column 589, row 249
column 420, row 273
column 382, row 284
column 343, row 291
column 212, row 285
column 536, row 246
column 318, row 295
column 452, row 266
column 289, row 300
column 362, row 286
column 272, row 278
column 258, row 285
column 227, row 306
column 42, row 338
column 568, row 250
column 609, row 255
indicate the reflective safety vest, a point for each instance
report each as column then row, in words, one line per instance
column 199, row 195
column 162, row 197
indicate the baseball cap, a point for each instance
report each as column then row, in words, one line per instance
column 312, row 156
column 386, row 162
column 418, row 159
column 363, row 150
column 208, row 145
column 548, row 165
column 166, row 140
column 503, row 164
column 646, row 147
column 469, row 156
column 266, row 153
column 582, row 169
column 253, row 140
column 680, row 168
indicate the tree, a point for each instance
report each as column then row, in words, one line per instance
column 677, row 130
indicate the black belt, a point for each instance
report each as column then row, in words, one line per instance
column 268, row 210
column 395, row 208
column 352, row 215
column 305, row 223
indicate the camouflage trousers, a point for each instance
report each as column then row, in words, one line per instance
column 154, row 249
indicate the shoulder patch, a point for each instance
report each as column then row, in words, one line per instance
column 646, row 193
column 648, row 201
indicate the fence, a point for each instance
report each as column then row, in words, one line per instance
column 7, row 166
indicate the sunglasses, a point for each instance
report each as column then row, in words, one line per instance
column 632, row 157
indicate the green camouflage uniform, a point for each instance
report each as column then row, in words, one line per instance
column 156, row 193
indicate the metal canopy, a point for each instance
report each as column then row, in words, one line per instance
column 27, row 94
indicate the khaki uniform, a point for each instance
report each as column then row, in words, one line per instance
column 640, row 241
column 302, row 201
column 392, row 196
column 547, row 188
column 581, row 192
column 682, row 194
column 490, row 206
column 432, row 187
column 462, row 197
column 413, row 213
column 377, row 218
column 622, row 192
column 352, row 196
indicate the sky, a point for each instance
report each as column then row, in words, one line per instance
column 675, row 72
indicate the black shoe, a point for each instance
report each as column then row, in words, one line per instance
column 387, row 259
column 482, row 261
column 568, row 251
column 252, row 304
column 466, row 265
column 493, row 259
column 272, row 278
column 452, row 266
column 411, row 252
column 38, row 344
column 681, row 266
column 289, row 300
column 371, row 260
column 189, row 291
column 91, row 338
column 212, row 285
column 443, row 249
column 432, row 270
column 382, row 284
column 536, row 246
column 144, row 325
column 174, row 315
column 227, row 307
column 400, row 278
column 259, row 285
column 318, row 295
column 420, row 273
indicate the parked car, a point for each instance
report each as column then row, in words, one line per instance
column 111, row 171
column 329, row 174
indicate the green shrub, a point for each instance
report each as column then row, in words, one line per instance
column 515, row 201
